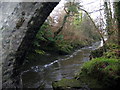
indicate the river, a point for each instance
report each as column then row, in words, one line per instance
column 53, row 67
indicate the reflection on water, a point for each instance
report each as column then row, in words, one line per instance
column 53, row 67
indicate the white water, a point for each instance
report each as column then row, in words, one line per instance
column 64, row 67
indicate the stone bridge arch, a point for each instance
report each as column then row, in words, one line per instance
column 19, row 24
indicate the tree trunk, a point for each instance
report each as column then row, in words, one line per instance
column 108, row 18
column 117, row 17
column 61, row 28
column 118, row 21
column 96, row 28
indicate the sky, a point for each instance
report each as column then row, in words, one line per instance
column 93, row 5
column 88, row 5
column 51, row 0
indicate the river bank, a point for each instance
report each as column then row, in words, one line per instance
column 103, row 71
column 53, row 67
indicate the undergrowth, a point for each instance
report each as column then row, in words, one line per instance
column 106, row 71
column 104, row 67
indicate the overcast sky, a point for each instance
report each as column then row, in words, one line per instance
column 88, row 5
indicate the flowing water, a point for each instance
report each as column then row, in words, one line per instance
column 53, row 67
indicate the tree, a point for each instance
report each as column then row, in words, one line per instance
column 70, row 9
column 117, row 14
column 107, row 16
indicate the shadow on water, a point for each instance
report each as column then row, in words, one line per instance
column 54, row 67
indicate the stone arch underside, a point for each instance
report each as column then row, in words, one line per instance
column 20, row 23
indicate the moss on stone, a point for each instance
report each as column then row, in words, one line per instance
column 89, row 81
column 67, row 84
column 100, row 72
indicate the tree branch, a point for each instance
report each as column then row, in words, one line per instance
column 94, row 25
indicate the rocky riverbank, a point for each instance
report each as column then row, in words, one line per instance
column 101, row 72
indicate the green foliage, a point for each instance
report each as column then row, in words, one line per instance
column 72, row 7
column 66, row 84
column 36, row 43
column 44, row 34
column 99, row 63
column 59, row 37
column 47, row 40
column 112, row 50
column 41, row 33
column 45, row 26
column 49, row 33
column 111, row 54
column 98, row 52
column 64, row 47
column 112, row 46
column 104, row 69
column 77, row 21
column 45, row 37
column 51, row 39
column 40, row 52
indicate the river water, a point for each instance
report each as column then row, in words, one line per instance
column 53, row 67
